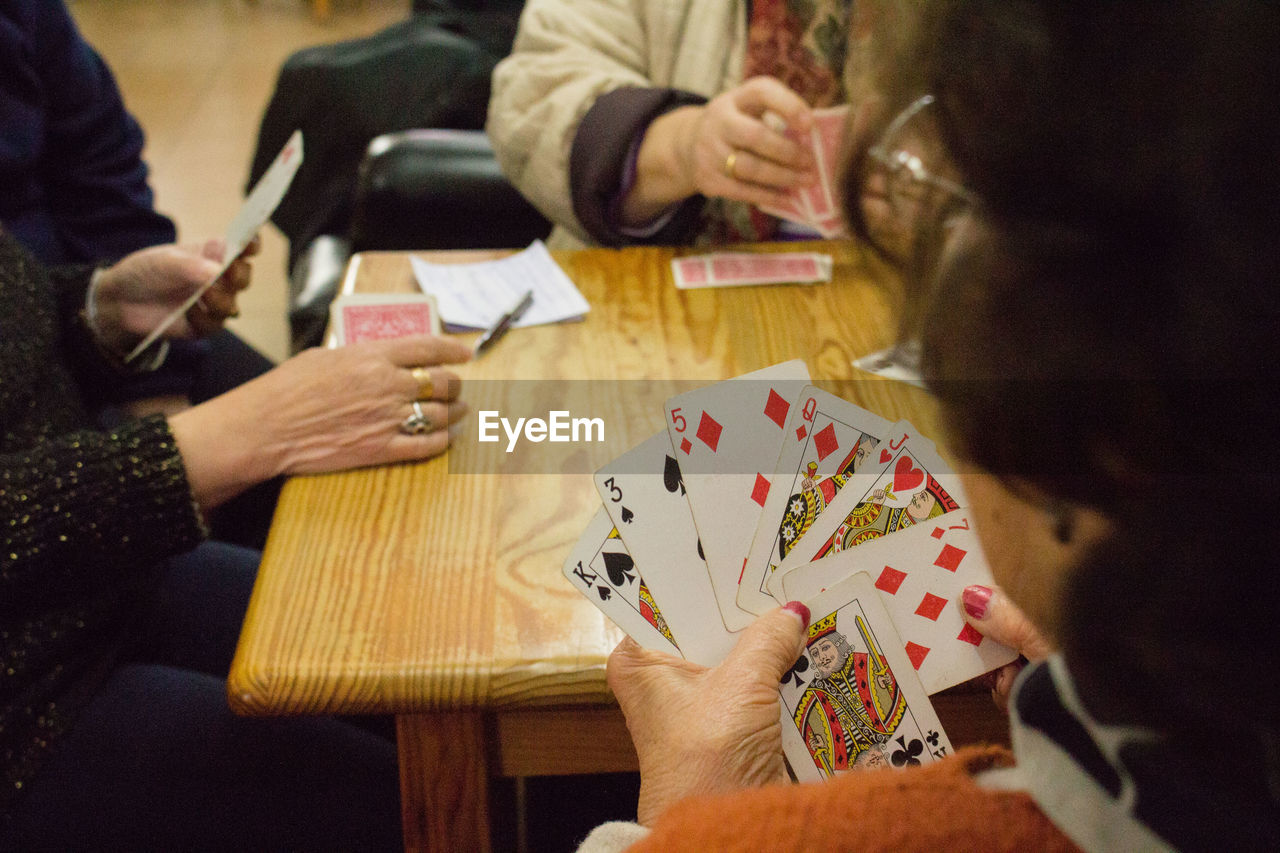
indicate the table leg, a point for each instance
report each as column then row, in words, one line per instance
column 444, row 778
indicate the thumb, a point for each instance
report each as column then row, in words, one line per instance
column 991, row 612
column 215, row 249
column 179, row 269
column 622, row 662
column 201, row 271
column 770, row 645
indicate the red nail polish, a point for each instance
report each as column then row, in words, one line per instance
column 976, row 598
column 798, row 609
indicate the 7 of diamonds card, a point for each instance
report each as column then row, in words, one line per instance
column 919, row 573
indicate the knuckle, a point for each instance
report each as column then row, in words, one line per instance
column 756, row 138
column 370, row 371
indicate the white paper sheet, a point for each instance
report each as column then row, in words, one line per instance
column 473, row 296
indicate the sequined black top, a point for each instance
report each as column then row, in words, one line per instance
column 85, row 516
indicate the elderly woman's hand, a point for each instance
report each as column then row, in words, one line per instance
column 741, row 145
column 991, row 612
column 766, row 159
column 129, row 299
column 323, row 410
column 699, row 730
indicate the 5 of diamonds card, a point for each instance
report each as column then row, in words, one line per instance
column 726, row 439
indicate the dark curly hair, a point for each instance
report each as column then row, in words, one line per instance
column 1114, row 315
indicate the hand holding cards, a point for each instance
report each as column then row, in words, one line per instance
column 818, row 204
column 766, row 489
column 253, row 214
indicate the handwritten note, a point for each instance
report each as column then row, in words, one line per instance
column 472, row 296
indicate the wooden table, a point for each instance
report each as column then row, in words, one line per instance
column 440, row 598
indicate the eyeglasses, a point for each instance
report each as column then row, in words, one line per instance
column 907, row 211
column 908, row 179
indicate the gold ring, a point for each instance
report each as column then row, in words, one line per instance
column 425, row 386
column 729, row 163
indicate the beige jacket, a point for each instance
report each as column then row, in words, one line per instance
column 569, row 52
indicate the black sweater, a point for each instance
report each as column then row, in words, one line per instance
column 85, row 515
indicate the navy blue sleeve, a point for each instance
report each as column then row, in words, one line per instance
column 91, row 168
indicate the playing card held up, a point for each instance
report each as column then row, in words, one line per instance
column 262, row 201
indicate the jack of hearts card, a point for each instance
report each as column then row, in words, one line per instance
column 912, row 486
column 825, row 442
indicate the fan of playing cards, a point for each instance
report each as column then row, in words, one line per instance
column 765, row 489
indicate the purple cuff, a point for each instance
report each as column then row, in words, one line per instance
column 614, row 214
column 602, row 165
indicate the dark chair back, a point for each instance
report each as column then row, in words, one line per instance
column 429, row 71
column 439, row 189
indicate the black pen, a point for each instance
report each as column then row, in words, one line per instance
column 498, row 329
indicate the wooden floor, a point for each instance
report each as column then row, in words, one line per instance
column 197, row 74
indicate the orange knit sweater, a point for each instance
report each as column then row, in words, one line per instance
column 938, row 807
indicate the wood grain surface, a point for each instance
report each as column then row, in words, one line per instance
column 410, row 588
column 437, row 594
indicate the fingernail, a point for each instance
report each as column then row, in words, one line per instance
column 798, row 609
column 976, row 598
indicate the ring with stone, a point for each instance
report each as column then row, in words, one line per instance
column 417, row 423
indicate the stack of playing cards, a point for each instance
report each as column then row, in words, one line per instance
column 356, row 317
column 818, row 204
column 766, row 489
column 739, row 269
